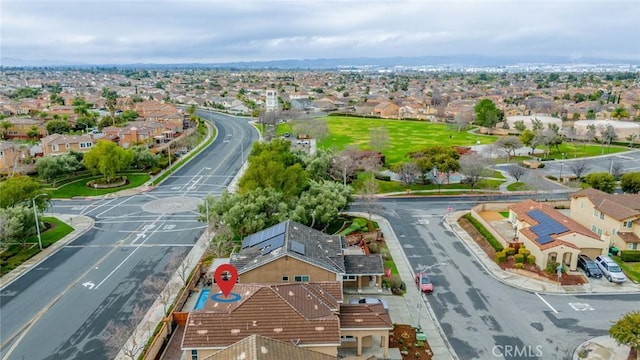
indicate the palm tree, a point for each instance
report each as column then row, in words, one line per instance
column 5, row 125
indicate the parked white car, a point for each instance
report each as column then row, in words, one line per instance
column 610, row 269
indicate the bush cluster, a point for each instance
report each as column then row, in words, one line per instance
column 495, row 244
column 630, row 255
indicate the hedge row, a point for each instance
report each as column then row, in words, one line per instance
column 495, row 244
column 630, row 255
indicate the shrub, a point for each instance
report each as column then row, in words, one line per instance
column 540, row 166
column 495, row 244
column 382, row 177
column 519, row 266
column 395, row 282
column 518, row 258
column 551, row 267
column 524, row 252
column 630, row 255
column 501, row 257
column 531, row 259
column 386, row 254
column 510, row 251
column 551, row 177
column 374, row 248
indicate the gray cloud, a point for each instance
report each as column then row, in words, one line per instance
column 100, row 31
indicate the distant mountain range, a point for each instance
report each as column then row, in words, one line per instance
column 359, row 62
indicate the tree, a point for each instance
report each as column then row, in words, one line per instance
column 516, row 172
column 191, row 109
column 111, row 98
column 617, row 170
column 21, row 189
column 607, row 135
column 58, row 126
column 344, row 165
column 528, row 138
column 579, row 167
column 33, row 132
column 486, row 113
column 572, row 134
column 5, row 125
column 379, row 138
column 124, row 335
column 143, row 158
column 620, row 113
column 17, row 225
column 443, row 158
column 519, row 125
column 321, row 204
column 463, row 118
column 52, row 168
column 368, row 195
column 630, row 182
column 591, row 132
column 257, row 209
column 474, row 168
column 161, row 290
column 509, row 144
column 602, row 181
column 409, row 172
column 129, row 115
column 630, row 138
column 107, row 158
column 626, row 331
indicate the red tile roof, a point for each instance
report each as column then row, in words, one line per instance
column 364, row 316
column 617, row 206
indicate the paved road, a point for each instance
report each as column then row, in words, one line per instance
column 59, row 309
column 483, row 318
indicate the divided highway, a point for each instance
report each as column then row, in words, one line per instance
column 60, row 309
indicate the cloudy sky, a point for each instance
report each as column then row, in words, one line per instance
column 211, row 31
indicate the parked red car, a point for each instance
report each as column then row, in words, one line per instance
column 424, row 282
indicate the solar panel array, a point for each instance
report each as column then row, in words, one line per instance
column 546, row 226
column 266, row 240
column 297, row 247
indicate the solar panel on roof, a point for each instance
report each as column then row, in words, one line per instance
column 546, row 226
column 264, row 235
column 544, row 240
column 297, row 247
column 271, row 244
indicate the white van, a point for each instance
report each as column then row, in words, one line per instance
column 610, row 269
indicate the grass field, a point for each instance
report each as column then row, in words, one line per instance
column 631, row 269
column 404, row 136
column 17, row 254
column 395, row 186
column 80, row 188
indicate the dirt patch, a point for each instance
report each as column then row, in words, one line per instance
column 491, row 215
column 529, row 269
column 403, row 337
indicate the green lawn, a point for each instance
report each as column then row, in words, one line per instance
column 395, row 186
column 79, row 187
column 517, row 186
column 15, row 255
column 404, row 136
column 631, row 269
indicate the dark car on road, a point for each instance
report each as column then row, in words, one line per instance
column 589, row 266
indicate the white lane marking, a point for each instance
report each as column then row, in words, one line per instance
column 581, row 306
column 546, row 303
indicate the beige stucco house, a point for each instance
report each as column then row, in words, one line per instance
column 552, row 236
column 613, row 217
column 291, row 252
column 57, row 144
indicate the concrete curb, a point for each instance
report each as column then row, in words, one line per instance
column 604, row 347
column 438, row 341
column 501, row 275
column 80, row 223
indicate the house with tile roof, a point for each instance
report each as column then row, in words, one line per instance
column 308, row 316
column 292, row 252
column 58, row 144
column 12, row 156
column 257, row 347
column 552, row 236
column 613, row 217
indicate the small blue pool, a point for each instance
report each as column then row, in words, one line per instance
column 202, row 299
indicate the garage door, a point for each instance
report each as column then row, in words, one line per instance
column 591, row 252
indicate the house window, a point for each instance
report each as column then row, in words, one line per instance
column 628, row 224
column 1, row 153
column 285, row 279
column 347, row 338
column 601, row 215
column 632, row 246
column 348, row 277
column 302, row 278
column 66, row 146
column 194, row 354
column 54, row 147
column 595, row 212
column 599, row 232
column 614, row 231
column 593, row 228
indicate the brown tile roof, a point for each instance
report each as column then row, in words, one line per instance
column 522, row 209
column 65, row 139
column 629, row 237
column 287, row 312
column 256, row 347
column 364, row 316
column 617, row 206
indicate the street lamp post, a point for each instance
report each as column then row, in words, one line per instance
column 560, row 178
column 35, row 214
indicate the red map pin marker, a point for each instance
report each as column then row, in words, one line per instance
column 226, row 276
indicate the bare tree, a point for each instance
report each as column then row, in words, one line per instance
column 314, row 127
column 579, row 168
column 379, row 138
column 463, row 118
column 182, row 267
column 607, row 134
column 164, row 291
column 474, row 168
column 509, row 145
column 369, row 197
column 409, row 172
column 617, row 170
column 344, row 165
column 126, row 335
column 572, row 134
column 516, row 172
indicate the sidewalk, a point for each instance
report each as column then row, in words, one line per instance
column 80, row 225
column 411, row 309
column 599, row 348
